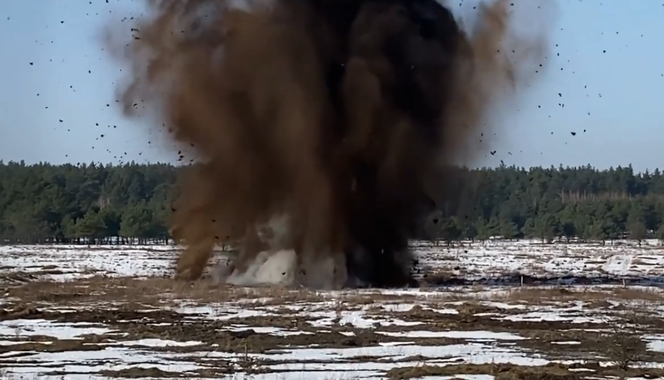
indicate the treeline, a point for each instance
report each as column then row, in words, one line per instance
column 89, row 202
column 101, row 203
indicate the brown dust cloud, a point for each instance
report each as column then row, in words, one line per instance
column 344, row 116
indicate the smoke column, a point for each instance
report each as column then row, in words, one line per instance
column 330, row 125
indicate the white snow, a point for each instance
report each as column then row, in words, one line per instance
column 469, row 335
column 402, row 336
column 40, row 327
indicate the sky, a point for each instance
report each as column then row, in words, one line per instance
column 605, row 83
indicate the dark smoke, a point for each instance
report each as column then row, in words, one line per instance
column 341, row 114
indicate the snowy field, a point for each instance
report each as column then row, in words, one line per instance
column 500, row 310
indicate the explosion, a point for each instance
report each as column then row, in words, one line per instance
column 325, row 129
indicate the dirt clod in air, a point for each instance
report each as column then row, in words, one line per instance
column 344, row 115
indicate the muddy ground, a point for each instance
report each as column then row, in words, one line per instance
column 581, row 332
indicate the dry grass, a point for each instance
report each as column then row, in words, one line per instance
column 164, row 291
column 621, row 343
column 537, row 295
column 101, row 289
column 625, row 346
column 553, row 371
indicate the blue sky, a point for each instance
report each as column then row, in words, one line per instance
column 608, row 64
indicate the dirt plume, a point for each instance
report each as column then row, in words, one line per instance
column 341, row 116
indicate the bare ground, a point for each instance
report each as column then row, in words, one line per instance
column 135, row 309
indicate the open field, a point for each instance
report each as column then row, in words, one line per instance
column 505, row 311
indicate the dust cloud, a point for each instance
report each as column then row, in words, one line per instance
column 325, row 130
